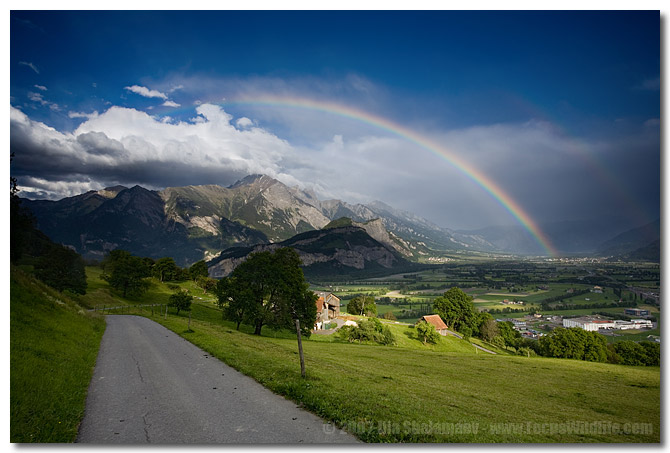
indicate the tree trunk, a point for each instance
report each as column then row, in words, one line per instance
column 257, row 330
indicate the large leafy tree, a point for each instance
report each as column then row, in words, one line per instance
column 62, row 268
column 269, row 289
column 456, row 309
column 165, row 269
column 126, row 273
column 198, row 269
column 233, row 299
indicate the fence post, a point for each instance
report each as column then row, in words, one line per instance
column 165, row 311
column 302, row 357
column 189, row 320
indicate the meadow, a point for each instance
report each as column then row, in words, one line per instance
column 410, row 392
column 431, row 393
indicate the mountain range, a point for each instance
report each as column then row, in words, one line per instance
column 199, row 222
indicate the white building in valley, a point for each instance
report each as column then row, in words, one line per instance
column 595, row 324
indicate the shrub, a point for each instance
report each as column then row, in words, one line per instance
column 390, row 316
column 371, row 330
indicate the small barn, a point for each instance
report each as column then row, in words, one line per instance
column 327, row 306
column 435, row 320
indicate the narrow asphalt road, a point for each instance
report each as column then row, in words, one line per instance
column 152, row 386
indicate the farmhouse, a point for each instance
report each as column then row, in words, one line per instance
column 327, row 306
column 435, row 320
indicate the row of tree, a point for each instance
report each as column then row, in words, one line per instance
column 128, row 273
column 576, row 343
column 459, row 313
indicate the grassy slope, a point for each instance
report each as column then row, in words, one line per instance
column 360, row 386
column 53, row 348
column 363, row 386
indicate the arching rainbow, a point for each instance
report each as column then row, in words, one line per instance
column 396, row 129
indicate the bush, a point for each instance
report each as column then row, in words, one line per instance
column 498, row 341
column 644, row 353
column 389, row 315
column 466, row 332
column 371, row 330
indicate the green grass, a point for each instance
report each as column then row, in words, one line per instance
column 395, row 394
column 53, row 347
column 365, row 387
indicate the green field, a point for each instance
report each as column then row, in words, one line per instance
column 395, row 394
column 382, row 393
column 412, row 392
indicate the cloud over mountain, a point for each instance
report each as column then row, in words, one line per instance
column 127, row 146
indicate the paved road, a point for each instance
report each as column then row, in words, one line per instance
column 152, row 386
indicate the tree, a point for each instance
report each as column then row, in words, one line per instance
column 427, row 333
column 456, row 309
column 199, row 269
column 269, row 288
column 181, row 300
column 489, row 329
column 511, row 336
column 362, row 305
column 643, row 353
column 233, row 299
column 205, row 283
column 62, row 268
column 126, row 273
column 574, row 343
column 165, row 269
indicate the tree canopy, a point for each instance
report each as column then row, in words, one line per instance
column 269, row 289
column 456, row 309
column 62, row 268
column 126, row 272
column 181, row 300
column 362, row 305
column 574, row 343
column 165, row 269
column 198, row 269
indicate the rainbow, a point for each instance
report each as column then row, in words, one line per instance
column 384, row 124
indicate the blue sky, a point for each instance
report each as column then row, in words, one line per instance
column 561, row 109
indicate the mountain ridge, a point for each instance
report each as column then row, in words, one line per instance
column 200, row 221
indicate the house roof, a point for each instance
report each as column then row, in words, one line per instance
column 330, row 298
column 435, row 320
column 319, row 305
